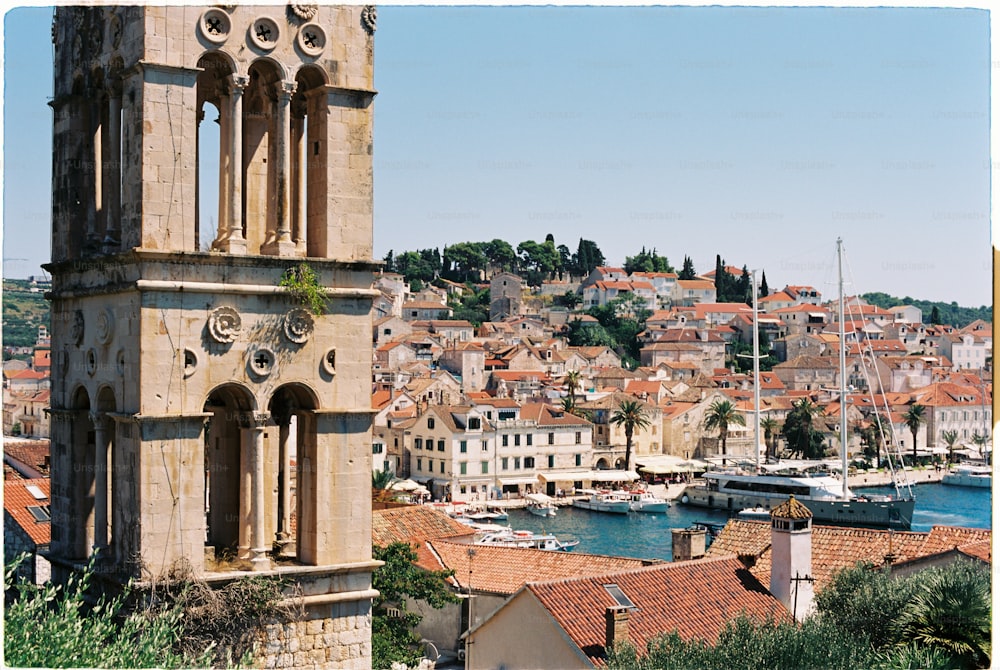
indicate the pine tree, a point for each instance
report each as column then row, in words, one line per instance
column 687, row 271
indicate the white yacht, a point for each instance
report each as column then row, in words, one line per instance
column 525, row 539
column 644, row 501
column 603, row 501
column 978, row 476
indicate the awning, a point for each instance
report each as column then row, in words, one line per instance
column 611, row 475
column 565, row 476
column 514, row 481
column 661, row 465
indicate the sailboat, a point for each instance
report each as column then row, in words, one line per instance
column 828, row 498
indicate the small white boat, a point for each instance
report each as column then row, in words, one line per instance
column 525, row 539
column 540, row 504
column 754, row 514
column 603, row 501
column 485, row 516
column 644, row 501
column 977, row 476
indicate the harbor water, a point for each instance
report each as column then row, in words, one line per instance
column 648, row 535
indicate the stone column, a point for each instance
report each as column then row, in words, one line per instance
column 225, row 154
column 93, row 168
column 259, row 547
column 100, row 481
column 284, row 485
column 302, row 173
column 235, row 243
column 113, row 181
column 283, row 245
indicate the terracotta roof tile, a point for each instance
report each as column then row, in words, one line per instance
column 695, row 598
column 835, row 548
column 791, row 509
column 415, row 524
column 16, row 501
column 504, row 570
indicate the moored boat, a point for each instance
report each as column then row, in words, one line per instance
column 603, row 501
column 525, row 539
column 823, row 495
column 644, row 501
column 977, row 476
column 540, row 504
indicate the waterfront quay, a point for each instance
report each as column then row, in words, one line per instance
column 859, row 480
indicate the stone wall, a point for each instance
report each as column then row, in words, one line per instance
column 326, row 637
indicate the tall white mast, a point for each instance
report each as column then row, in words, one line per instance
column 843, row 368
column 756, row 379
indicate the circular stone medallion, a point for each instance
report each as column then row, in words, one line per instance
column 224, row 325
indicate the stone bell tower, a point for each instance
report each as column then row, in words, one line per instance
column 201, row 415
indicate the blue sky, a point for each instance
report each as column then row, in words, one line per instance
column 760, row 134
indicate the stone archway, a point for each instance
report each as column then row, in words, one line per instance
column 226, row 489
column 291, row 408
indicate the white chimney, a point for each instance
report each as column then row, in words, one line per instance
column 791, row 557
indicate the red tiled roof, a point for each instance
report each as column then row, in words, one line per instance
column 943, row 538
column 34, row 454
column 16, row 501
column 664, row 598
column 415, row 524
column 835, row 548
column 504, row 570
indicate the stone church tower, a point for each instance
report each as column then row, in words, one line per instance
column 200, row 414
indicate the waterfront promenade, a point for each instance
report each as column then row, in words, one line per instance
column 673, row 491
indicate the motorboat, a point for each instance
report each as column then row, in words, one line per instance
column 603, row 501
column 644, row 501
column 540, row 504
column 978, row 476
column 485, row 516
column 525, row 539
column 754, row 514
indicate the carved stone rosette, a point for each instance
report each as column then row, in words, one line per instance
column 304, row 12
column 299, row 325
column 224, row 324
column 369, row 17
column 105, row 326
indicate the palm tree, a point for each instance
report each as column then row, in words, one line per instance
column 630, row 415
column 770, row 427
column 382, row 484
column 720, row 414
column 950, row 437
column 572, row 384
column 980, row 441
column 913, row 418
column 950, row 610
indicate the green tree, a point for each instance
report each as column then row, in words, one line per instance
column 631, row 416
column 687, row 270
column 647, row 261
column 764, row 290
column 53, row 626
column 572, row 384
column 799, row 432
column 464, row 262
column 569, row 299
column 500, row 255
column 587, row 257
column 935, row 316
column 913, row 418
column 393, row 638
column 770, row 428
column 720, row 415
column 950, row 437
column 744, row 288
column 950, row 610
